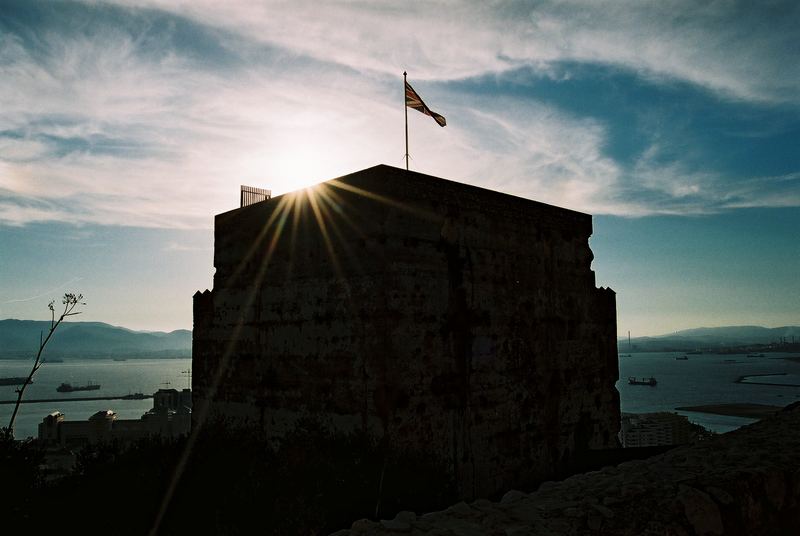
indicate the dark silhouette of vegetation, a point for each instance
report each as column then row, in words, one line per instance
column 21, row 475
column 70, row 301
column 314, row 482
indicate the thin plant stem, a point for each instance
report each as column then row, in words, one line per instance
column 70, row 302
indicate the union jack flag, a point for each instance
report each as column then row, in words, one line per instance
column 413, row 100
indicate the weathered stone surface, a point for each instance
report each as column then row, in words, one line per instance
column 513, row 495
column 441, row 317
column 720, row 495
column 700, row 510
column 606, row 512
column 741, row 483
column 594, row 521
column 396, row 525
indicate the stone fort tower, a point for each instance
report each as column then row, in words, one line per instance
column 439, row 316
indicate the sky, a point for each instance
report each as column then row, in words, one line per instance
column 126, row 126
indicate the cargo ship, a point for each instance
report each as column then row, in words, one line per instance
column 644, row 381
column 14, row 380
column 136, row 396
column 68, row 387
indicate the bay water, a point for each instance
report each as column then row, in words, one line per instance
column 699, row 380
column 707, row 379
column 116, row 378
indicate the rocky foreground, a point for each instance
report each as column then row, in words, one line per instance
column 743, row 482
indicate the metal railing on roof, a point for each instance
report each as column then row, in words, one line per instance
column 251, row 195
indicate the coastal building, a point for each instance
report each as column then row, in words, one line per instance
column 172, row 400
column 169, row 417
column 435, row 316
column 655, row 429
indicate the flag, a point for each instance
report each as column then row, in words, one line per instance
column 413, row 100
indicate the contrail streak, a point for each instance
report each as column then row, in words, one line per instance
column 45, row 293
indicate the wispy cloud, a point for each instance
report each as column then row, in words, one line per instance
column 152, row 117
column 739, row 48
column 174, row 246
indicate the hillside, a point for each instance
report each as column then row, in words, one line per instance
column 713, row 338
column 20, row 339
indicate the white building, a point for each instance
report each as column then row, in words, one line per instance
column 170, row 417
column 654, row 429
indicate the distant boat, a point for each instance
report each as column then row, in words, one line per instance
column 135, row 396
column 682, row 358
column 14, row 380
column 68, row 388
column 755, row 355
column 120, row 359
column 624, row 355
column 644, row 381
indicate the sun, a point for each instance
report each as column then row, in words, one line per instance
column 288, row 166
column 297, row 168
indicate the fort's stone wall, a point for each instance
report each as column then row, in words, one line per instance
column 432, row 314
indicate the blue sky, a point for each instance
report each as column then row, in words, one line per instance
column 125, row 126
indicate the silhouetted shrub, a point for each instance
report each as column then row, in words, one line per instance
column 234, row 480
column 21, row 475
column 314, row 482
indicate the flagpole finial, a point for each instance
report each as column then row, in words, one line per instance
column 405, row 73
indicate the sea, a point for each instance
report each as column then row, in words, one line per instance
column 707, row 379
column 116, row 378
column 699, row 380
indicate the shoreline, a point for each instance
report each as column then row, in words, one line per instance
column 745, row 380
column 749, row 411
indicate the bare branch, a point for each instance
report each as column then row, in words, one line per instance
column 70, row 302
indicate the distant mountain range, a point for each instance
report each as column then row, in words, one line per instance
column 712, row 338
column 20, row 339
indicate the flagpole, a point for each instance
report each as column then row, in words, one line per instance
column 406, row 109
